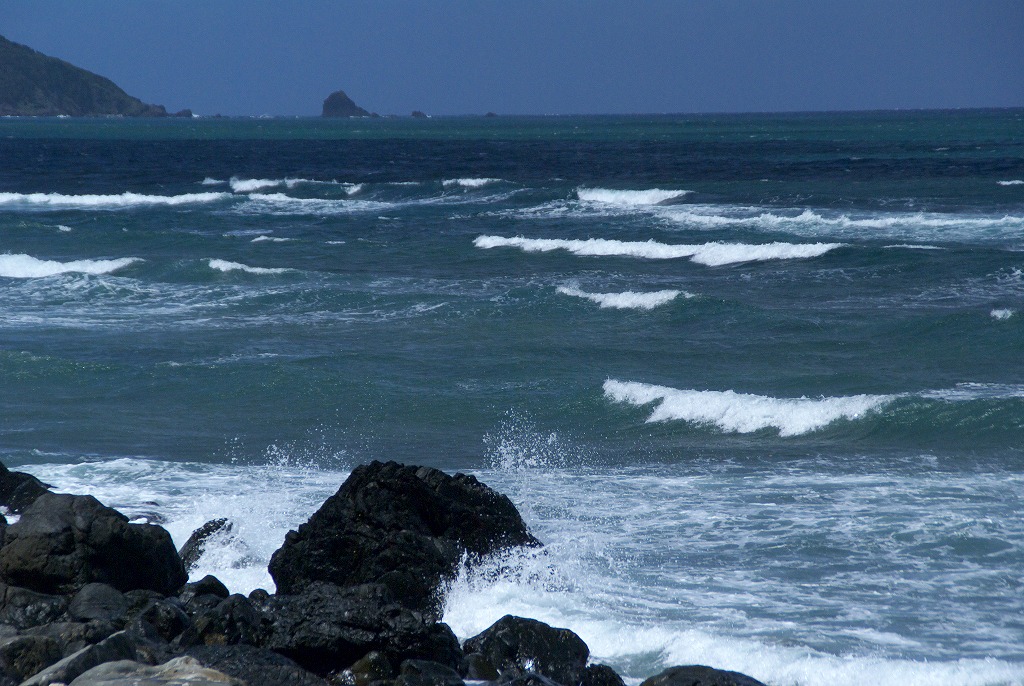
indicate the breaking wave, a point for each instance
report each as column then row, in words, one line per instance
column 626, row 300
column 28, row 267
column 225, row 266
column 652, row 196
column 106, row 201
column 711, row 254
column 1013, row 182
column 469, row 183
column 1001, row 313
column 742, row 412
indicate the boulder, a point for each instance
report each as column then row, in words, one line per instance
column 601, row 675
column 73, row 636
column 19, row 490
column 181, row 671
column 338, row 104
column 100, row 602
column 23, row 608
column 208, row 587
column 235, row 619
column 402, row 526
column 119, row 646
column 427, row 673
column 374, row 666
column 328, row 628
column 195, row 546
column 517, row 646
column 256, row 666
column 699, row 675
column 24, row 656
column 63, row 542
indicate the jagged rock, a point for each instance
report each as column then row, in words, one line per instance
column 166, row 618
column 416, row 114
column 699, row 675
column 402, row 526
column 24, row 656
column 256, row 666
column 338, row 104
column 195, row 546
column 516, row 646
column 328, row 628
column 181, row 671
column 99, row 601
column 119, row 646
column 476, row 667
column 601, row 675
column 233, row 620
column 63, row 542
column 427, row 673
column 209, row 587
column 73, row 636
column 24, row 608
column 17, row 489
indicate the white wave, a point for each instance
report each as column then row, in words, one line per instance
column 1001, row 314
column 335, row 242
column 966, row 392
column 272, row 239
column 64, row 229
column 225, row 266
column 652, row 196
column 711, row 254
column 1013, row 182
column 627, row 299
column 106, row 201
column 279, row 203
column 742, row 412
column 28, row 267
column 469, row 183
column 210, row 181
column 908, row 246
column 249, row 185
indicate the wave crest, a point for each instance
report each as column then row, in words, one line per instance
column 28, row 267
column 742, row 412
column 627, row 299
column 225, row 266
column 710, row 254
column 106, row 201
column 651, row 196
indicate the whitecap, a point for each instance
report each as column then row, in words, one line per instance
column 272, row 239
column 64, row 229
column 742, row 412
column 469, row 183
column 627, row 299
column 28, row 267
column 1001, row 313
column 711, row 254
column 210, row 181
column 1013, row 182
column 225, row 266
column 651, row 196
column 106, row 201
column 249, row 185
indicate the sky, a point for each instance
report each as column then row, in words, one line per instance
column 283, row 57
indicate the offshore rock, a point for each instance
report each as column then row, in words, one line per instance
column 402, row 526
column 63, row 542
column 338, row 104
column 328, row 628
column 518, row 646
column 699, row 675
column 19, row 490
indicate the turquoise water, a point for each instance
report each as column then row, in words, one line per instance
column 757, row 380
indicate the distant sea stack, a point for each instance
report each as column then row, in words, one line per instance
column 33, row 84
column 338, row 104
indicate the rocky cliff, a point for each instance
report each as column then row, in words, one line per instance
column 33, row 84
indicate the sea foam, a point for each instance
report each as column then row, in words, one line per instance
column 469, row 183
column 652, row 196
column 742, row 412
column 711, row 254
column 1001, row 314
column 28, row 267
column 225, row 266
column 627, row 299
column 106, row 201
column 1013, row 182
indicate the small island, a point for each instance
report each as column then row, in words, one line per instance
column 35, row 85
column 338, row 104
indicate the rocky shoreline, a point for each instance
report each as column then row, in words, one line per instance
column 89, row 599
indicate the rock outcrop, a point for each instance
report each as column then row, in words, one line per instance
column 33, row 84
column 338, row 104
column 407, row 528
column 19, row 490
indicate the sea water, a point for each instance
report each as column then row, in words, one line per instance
column 757, row 381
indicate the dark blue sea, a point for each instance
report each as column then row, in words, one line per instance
column 756, row 380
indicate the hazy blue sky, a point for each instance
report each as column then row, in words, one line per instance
column 539, row 56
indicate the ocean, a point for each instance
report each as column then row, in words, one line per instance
column 757, row 381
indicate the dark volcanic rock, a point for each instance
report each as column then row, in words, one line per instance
column 516, row 646
column 699, row 675
column 328, row 628
column 99, row 602
column 416, row 114
column 234, row 620
column 177, row 672
column 63, row 542
column 116, row 647
column 17, row 489
column 402, row 526
column 427, row 673
column 23, row 608
column 255, row 666
column 338, row 104
column 601, row 675
column 25, row 655
column 195, row 546
column 33, row 84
